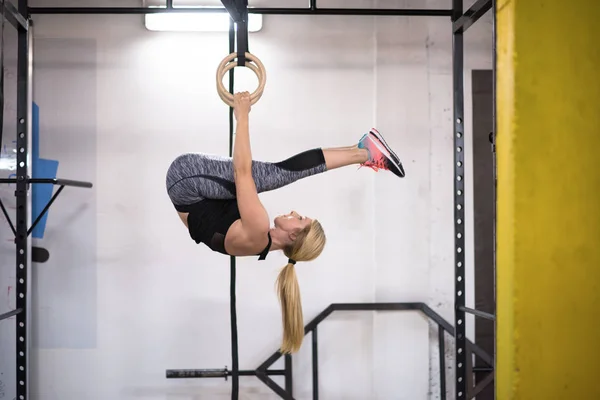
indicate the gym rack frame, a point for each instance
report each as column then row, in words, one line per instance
column 20, row 18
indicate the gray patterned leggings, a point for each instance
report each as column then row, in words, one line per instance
column 193, row 177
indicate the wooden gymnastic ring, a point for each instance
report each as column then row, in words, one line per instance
column 254, row 64
column 228, row 97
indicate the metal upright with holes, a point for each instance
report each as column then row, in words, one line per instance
column 18, row 17
column 464, row 388
column 23, row 206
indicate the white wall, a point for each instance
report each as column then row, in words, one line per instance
column 137, row 99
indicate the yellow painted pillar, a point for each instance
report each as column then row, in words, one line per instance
column 548, row 147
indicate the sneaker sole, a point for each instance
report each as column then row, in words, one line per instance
column 376, row 133
column 394, row 157
column 389, row 156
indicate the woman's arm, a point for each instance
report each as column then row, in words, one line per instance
column 254, row 218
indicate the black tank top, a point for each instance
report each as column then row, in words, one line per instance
column 209, row 221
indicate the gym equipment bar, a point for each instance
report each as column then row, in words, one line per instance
column 262, row 372
column 478, row 313
column 215, row 373
column 472, row 15
column 463, row 365
column 443, row 326
column 10, row 314
column 14, row 17
column 460, row 352
column 54, row 181
column 258, row 10
column 19, row 18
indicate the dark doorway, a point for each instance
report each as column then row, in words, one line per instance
column 484, row 209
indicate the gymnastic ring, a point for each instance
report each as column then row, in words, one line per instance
column 254, row 64
column 228, row 64
column 228, row 97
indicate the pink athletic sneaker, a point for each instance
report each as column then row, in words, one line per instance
column 381, row 156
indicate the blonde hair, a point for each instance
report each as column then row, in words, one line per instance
column 308, row 245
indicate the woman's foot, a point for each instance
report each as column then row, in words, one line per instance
column 381, row 156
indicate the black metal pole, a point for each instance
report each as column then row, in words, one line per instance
column 216, row 373
column 2, row 69
column 472, row 15
column 478, row 313
column 459, row 203
column 258, row 10
column 234, row 334
column 14, row 17
column 10, row 314
column 21, row 239
column 442, row 351
column 52, row 181
column 289, row 382
column 315, row 364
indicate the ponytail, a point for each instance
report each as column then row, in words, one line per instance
column 288, row 291
column 308, row 245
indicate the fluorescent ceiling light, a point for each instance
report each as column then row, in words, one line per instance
column 196, row 22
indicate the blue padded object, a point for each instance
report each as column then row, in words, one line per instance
column 41, row 168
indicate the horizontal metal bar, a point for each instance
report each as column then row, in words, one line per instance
column 11, row 314
column 14, row 16
column 62, row 182
column 266, row 11
column 216, row 373
column 65, row 182
column 478, row 313
column 376, row 306
column 472, row 15
column 354, row 11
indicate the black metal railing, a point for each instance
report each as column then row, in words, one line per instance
column 264, row 373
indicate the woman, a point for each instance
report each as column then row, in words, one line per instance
column 217, row 200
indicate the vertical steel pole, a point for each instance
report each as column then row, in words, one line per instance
column 23, row 208
column 459, row 204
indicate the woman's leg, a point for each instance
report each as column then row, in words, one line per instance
column 338, row 157
column 193, row 177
